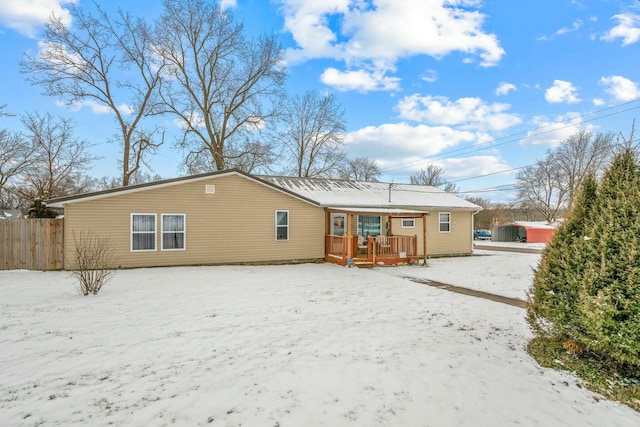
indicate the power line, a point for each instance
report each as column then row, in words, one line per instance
column 489, row 174
column 521, row 167
column 512, row 138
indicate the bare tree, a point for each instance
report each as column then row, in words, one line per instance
column 361, row 169
column 16, row 154
column 59, row 162
column 223, row 87
column 109, row 63
column 552, row 184
column 314, row 135
column 433, row 176
column 581, row 155
column 484, row 218
column 543, row 186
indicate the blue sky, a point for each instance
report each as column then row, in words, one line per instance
column 478, row 87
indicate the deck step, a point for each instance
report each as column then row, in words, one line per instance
column 363, row 264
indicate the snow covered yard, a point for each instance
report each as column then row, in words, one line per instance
column 300, row 345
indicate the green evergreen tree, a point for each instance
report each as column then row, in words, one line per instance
column 587, row 286
column 552, row 310
column 609, row 297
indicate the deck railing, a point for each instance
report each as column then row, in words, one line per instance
column 336, row 246
column 378, row 248
column 392, row 247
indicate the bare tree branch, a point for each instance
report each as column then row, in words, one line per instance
column 361, row 169
column 314, row 135
column 221, row 86
column 59, row 161
column 433, row 176
column 84, row 64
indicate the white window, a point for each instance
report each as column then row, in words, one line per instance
column 445, row 222
column 173, row 232
column 143, row 232
column 282, row 225
column 408, row 223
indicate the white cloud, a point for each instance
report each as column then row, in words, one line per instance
column 359, row 80
column 562, row 31
column 401, row 140
column 621, row 88
column 26, row 16
column 504, row 88
column 383, row 31
column 430, row 76
column 95, row 107
column 628, row 29
column 553, row 132
column 562, row 91
column 469, row 113
column 228, row 4
column 598, row 102
column 574, row 27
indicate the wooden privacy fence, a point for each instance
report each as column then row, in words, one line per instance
column 31, row 244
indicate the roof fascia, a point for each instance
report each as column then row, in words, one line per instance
column 62, row 201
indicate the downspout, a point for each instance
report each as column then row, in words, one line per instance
column 473, row 214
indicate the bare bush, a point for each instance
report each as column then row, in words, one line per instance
column 94, row 258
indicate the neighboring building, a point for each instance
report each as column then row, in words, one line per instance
column 231, row 217
column 529, row 232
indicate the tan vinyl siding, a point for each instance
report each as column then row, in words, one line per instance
column 235, row 224
column 456, row 242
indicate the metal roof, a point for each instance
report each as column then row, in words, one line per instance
column 379, row 195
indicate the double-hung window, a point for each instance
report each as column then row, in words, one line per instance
column 445, row 222
column 282, row 225
column 173, row 232
column 143, row 232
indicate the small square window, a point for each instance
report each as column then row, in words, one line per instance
column 408, row 223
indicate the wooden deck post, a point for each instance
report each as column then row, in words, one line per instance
column 349, row 240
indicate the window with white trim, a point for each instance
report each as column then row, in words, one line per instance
column 143, row 232
column 282, row 225
column 444, row 219
column 408, row 223
column 173, row 232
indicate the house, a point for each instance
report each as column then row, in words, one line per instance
column 231, row 217
column 524, row 231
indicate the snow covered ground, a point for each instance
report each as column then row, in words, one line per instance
column 299, row 345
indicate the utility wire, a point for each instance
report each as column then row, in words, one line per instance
column 512, row 138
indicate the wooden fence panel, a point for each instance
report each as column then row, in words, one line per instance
column 31, row 244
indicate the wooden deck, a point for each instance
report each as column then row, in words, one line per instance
column 378, row 250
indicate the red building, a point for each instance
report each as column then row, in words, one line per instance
column 529, row 232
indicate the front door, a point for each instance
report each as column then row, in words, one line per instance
column 338, row 224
